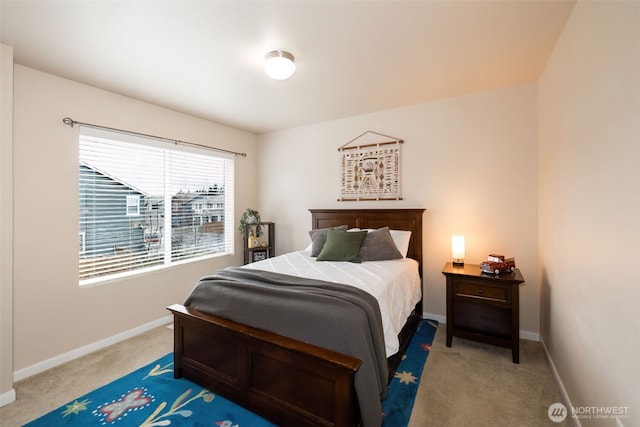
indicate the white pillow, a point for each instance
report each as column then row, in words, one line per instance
column 401, row 238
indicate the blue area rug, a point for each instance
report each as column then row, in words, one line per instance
column 398, row 405
column 150, row 396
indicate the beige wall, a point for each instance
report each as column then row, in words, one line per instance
column 470, row 161
column 589, row 150
column 7, row 393
column 52, row 315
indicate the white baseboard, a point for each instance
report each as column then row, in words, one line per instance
column 7, row 397
column 440, row 319
column 525, row 335
column 528, row 335
column 82, row 351
column 556, row 377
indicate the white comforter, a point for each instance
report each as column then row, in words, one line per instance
column 395, row 284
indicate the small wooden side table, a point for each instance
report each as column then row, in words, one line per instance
column 264, row 251
column 483, row 307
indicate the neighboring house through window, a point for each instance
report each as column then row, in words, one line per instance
column 125, row 184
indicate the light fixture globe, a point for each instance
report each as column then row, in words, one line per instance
column 279, row 65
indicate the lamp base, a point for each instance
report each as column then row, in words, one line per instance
column 458, row 263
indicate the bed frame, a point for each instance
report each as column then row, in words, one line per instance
column 289, row 382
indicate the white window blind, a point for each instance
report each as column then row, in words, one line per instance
column 146, row 206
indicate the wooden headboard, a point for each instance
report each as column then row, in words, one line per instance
column 396, row 219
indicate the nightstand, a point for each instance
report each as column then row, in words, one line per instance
column 483, row 307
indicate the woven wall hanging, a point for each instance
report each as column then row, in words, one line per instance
column 370, row 171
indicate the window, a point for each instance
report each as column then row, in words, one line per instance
column 141, row 204
column 133, row 205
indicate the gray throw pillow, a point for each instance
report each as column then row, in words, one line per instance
column 319, row 237
column 378, row 245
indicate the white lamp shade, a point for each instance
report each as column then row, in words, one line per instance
column 279, row 65
column 457, row 247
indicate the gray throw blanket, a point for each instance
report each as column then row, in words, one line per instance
column 330, row 315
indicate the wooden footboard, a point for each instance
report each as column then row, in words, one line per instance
column 295, row 383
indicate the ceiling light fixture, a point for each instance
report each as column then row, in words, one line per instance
column 279, row 65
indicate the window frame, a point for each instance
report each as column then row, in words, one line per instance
column 131, row 197
column 172, row 256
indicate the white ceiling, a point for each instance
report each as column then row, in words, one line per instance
column 353, row 57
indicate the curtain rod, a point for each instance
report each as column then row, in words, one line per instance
column 69, row 121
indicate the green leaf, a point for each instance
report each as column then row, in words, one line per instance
column 154, row 414
column 178, row 401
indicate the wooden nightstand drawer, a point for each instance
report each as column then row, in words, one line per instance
column 484, row 292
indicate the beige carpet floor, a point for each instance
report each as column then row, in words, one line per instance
column 469, row 384
column 476, row 384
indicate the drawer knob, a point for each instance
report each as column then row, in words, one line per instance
column 480, row 291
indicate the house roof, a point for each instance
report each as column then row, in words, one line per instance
column 111, row 177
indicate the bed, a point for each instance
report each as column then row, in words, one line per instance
column 289, row 381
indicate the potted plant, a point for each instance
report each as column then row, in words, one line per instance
column 250, row 216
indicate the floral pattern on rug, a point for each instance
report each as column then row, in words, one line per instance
column 131, row 401
column 151, row 397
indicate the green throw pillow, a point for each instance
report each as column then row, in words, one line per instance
column 319, row 238
column 342, row 246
